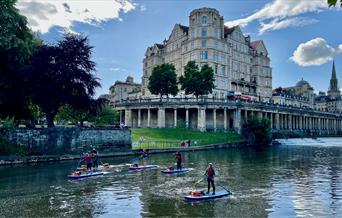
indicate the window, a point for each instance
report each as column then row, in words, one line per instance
column 192, row 45
column 204, row 20
column 204, row 43
column 215, row 33
column 204, row 55
column 216, row 67
column 223, row 70
column 204, row 32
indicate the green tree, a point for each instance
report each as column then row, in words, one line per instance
column 16, row 45
column 107, row 116
column 333, row 3
column 207, row 82
column 163, row 80
column 68, row 113
column 62, row 74
column 195, row 81
column 257, row 131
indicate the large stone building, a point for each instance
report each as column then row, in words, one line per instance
column 238, row 63
column 300, row 95
column 122, row 90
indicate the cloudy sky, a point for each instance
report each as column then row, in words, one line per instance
column 302, row 36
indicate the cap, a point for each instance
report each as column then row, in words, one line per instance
column 210, row 164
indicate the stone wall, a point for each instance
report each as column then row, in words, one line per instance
column 60, row 141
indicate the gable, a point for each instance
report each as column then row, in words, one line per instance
column 261, row 48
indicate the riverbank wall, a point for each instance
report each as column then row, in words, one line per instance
column 71, row 141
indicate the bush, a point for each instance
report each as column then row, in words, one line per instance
column 6, row 148
column 257, row 131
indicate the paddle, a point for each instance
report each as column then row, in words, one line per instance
column 225, row 189
column 198, row 181
column 79, row 162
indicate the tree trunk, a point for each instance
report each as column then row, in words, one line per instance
column 49, row 119
column 81, row 123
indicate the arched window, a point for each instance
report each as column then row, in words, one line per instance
column 204, row 32
column 204, row 20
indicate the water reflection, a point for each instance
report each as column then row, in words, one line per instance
column 279, row 181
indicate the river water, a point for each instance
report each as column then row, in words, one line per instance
column 285, row 180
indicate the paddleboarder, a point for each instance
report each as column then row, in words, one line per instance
column 87, row 159
column 210, row 173
column 95, row 159
column 179, row 160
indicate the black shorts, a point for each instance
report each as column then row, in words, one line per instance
column 89, row 166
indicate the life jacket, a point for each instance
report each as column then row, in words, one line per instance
column 210, row 172
column 179, row 157
column 196, row 194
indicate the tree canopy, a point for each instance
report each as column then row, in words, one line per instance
column 16, row 45
column 258, row 131
column 333, row 3
column 62, row 74
column 163, row 80
column 195, row 81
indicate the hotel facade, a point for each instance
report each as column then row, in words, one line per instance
column 239, row 64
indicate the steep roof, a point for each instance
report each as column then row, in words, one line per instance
column 184, row 28
column 160, row 46
column 228, row 30
column 255, row 44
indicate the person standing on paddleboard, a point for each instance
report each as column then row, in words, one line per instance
column 179, row 160
column 95, row 159
column 210, row 173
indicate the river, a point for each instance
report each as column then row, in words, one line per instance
column 284, row 180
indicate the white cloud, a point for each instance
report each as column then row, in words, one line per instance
column 114, row 69
column 42, row 15
column 281, row 14
column 314, row 52
column 277, row 24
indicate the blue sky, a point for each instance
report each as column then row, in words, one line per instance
column 121, row 31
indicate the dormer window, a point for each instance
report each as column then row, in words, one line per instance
column 204, row 20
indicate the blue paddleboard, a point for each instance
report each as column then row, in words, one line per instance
column 142, row 167
column 85, row 175
column 209, row 196
column 175, row 171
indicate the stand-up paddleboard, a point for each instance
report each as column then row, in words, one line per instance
column 209, row 196
column 85, row 175
column 175, row 171
column 142, row 167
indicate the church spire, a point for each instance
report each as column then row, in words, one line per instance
column 333, row 89
column 333, row 73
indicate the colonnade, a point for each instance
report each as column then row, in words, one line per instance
column 224, row 118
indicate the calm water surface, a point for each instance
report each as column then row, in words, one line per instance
column 283, row 181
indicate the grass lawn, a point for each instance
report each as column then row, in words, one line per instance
column 172, row 137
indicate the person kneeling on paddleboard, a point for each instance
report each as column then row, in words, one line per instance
column 87, row 159
column 210, row 173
